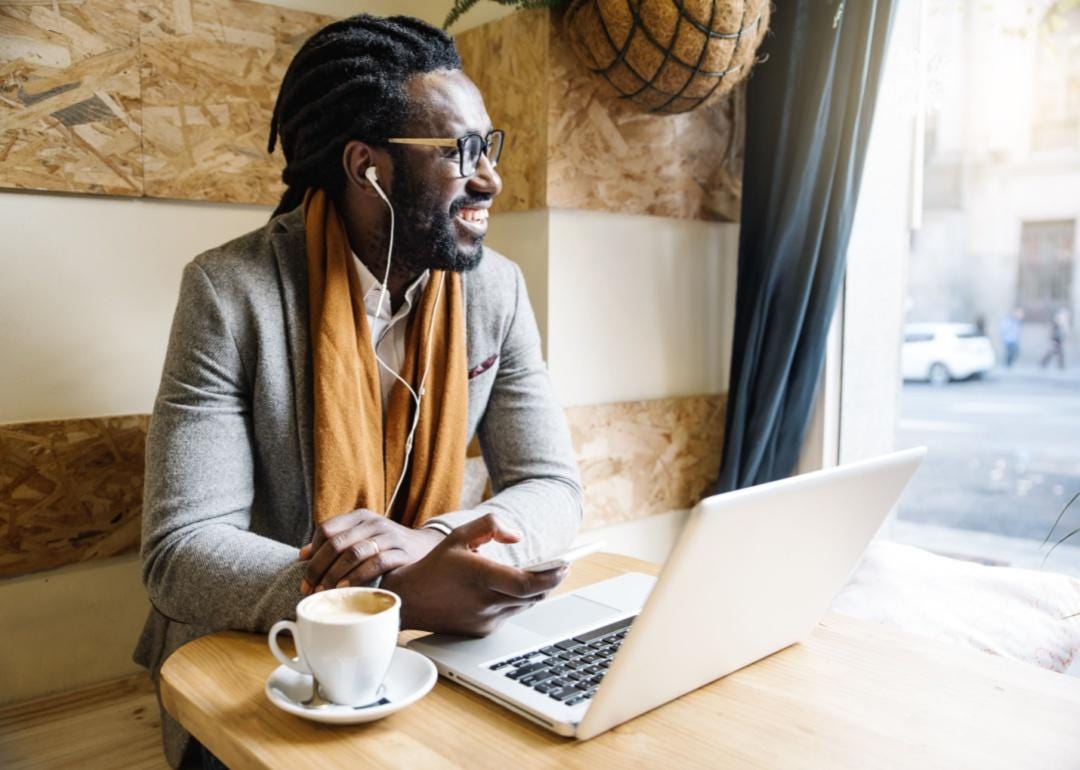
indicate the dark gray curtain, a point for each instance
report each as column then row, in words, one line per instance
column 809, row 109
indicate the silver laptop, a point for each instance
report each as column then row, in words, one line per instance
column 752, row 572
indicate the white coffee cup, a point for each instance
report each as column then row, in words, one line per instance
column 345, row 637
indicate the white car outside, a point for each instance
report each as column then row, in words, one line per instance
column 941, row 352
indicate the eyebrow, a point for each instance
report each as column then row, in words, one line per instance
column 470, row 130
column 448, row 138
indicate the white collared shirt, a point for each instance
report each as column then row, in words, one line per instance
column 388, row 330
column 388, row 339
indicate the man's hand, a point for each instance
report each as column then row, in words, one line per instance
column 355, row 548
column 456, row 590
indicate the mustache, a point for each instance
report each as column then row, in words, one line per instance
column 468, row 202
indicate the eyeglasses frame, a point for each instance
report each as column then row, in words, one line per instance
column 458, row 142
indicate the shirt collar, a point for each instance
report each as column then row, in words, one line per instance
column 370, row 287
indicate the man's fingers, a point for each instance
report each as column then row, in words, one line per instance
column 341, row 543
column 330, row 528
column 373, row 532
column 347, row 560
column 513, row 608
column 338, row 524
column 498, row 614
column 369, row 569
column 521, row 584
column 482, row 530
column 341, row 523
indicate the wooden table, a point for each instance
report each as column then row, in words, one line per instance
column 853, row 695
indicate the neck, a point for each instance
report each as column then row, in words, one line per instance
column 368, row 233
column 398, row 282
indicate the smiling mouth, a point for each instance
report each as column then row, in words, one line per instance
column 475, row 220
column 474, row 215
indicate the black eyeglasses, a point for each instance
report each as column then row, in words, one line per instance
column 470, row 147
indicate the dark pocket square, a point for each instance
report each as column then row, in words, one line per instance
column 483, row 366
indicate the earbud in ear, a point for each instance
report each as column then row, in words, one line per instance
column 373, row 177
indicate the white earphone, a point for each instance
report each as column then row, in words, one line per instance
column 372, row 176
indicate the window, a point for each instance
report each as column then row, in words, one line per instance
column 959, row 302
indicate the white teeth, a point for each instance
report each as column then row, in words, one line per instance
column 474, row 215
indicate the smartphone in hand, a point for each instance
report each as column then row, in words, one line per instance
column 566, row 557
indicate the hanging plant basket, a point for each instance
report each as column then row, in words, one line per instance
column 668, row 55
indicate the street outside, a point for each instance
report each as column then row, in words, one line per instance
column 1004, row 454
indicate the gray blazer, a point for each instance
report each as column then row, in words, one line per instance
column 227, row 498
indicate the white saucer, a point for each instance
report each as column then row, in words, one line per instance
column 410, row 678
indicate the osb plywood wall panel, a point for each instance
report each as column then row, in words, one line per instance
column 69, row 96
column 70, row 491
column 572, row 143
column 162, row 98
column 605, row 154
column 211, row 70
column 638, row 458
column 508, row 61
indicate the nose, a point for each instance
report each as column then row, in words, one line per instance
column 486, row 179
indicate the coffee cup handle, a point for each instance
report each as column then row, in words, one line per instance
column 296, row 664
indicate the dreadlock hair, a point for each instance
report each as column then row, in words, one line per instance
column 348, row 82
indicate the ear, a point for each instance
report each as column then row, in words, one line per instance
column 356, row 158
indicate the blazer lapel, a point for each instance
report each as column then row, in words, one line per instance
column 291, row 252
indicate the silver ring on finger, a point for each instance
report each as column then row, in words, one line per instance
column 375, row 546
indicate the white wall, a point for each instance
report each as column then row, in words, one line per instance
column 650, row 539
column 629, row 307
column 88, row 292
column 640, row 307
column 523, row 237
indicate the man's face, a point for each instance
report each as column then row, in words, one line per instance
column 441, row 218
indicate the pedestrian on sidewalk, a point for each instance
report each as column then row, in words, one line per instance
column 1010, row 335
column 1059, row 329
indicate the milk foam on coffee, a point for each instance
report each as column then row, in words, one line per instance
column 344, row 606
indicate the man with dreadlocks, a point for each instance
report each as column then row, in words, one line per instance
column 326, row 372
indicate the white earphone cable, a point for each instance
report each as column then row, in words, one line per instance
column 423, row 381
column 372, row 176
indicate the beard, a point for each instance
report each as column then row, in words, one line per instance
column 428, row 238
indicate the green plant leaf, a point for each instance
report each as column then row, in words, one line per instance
column 1059, row 542
column 460, row 7
column 1058, row 520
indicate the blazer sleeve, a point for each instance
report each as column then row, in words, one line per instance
column 526, row 446
column 201, row 564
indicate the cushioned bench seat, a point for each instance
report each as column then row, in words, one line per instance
column 1027, row 615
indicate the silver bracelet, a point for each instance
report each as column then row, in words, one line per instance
column 438, row 526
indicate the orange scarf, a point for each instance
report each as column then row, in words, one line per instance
column 358, row 460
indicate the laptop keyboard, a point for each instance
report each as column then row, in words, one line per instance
column 568, row 671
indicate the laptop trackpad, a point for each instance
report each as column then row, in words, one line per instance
column 564, row 615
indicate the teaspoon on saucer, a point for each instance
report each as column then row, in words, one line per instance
column 317, row 701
